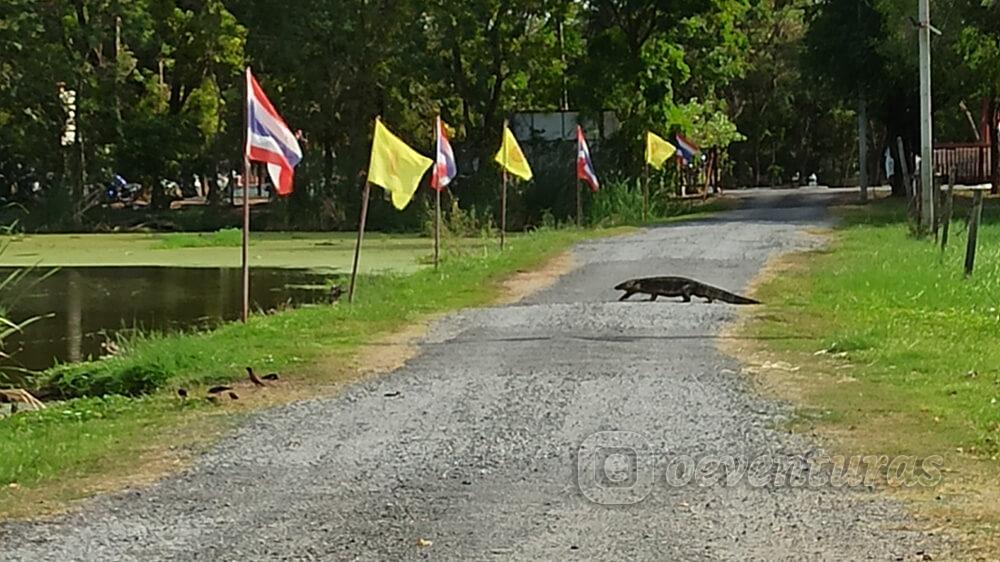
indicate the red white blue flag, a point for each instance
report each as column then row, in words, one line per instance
column 269, row 139
column 686, row 148
column 445, row 169
column 584, row 165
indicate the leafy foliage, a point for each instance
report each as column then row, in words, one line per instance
column 775, row 83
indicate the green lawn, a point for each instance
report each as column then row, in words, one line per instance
column 893, row 312
column 886, row 348
column 320, row 250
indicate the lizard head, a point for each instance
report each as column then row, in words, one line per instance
column 629, row 285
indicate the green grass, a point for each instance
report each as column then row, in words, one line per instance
column 225, row 238
column 87, row 437
column 896, row 314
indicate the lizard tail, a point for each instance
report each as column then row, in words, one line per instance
column 732, row 298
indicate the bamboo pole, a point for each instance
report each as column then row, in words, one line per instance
column 361, row 236
column 503, row 211
column 437, row 198
column 245, row 314
column 579, row 203
column 503, row 189
column 437, row 227
column 245, row 256
column 645, row 193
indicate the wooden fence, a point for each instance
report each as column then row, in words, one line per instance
column 972, row 162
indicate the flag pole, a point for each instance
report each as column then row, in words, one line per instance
column 245, row 310
column 645, row 192
column 503, row 192
column 579, row 203
column 503, row 210
column 437, row 228
column 361, row 237
column 246, row 240
column 437, row 201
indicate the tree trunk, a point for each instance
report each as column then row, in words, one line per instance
column 897, row 181
column 994, row 140
column 213, row 191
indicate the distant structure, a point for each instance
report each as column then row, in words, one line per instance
column 561, row 126
column 972, row 161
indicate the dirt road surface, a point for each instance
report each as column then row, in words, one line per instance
column 557, row 428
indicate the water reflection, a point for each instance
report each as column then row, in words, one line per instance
column 90, row 305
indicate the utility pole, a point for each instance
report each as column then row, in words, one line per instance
column 863, row 146
column 926, row 134
column 564, row 95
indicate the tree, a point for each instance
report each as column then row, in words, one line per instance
column 646, row 59
column 979, row 47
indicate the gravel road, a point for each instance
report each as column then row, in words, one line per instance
column 546, row 430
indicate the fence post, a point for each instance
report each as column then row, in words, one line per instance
column 977, row 215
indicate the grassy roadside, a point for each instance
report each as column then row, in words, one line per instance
column 84, row 445
column 886, row 349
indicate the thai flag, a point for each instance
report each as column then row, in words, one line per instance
column 584, row 166
column 686, row 148
column 444, row 163
column 269, row 139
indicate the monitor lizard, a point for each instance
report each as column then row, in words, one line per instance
column 679, row 287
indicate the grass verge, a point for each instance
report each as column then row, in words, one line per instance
column 90, row 444
column 886, row 349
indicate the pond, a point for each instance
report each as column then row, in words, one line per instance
column 91, row 305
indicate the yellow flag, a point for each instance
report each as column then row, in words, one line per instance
column 395, row 166
column 511, row 157
column 658, row 150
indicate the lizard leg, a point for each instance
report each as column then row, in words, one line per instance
column 626, row 296
column 686, row 293
column 653, row 297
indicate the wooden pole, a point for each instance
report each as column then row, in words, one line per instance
column 503, row 211
column 579, row 203
column 936, row 219
column 863, row 147
column 437, row 199
column 949, row 203
column 503, row 189
column 683, row 175
column 708, row 174
column 361, row 237
column 645, row 194
column 437, row 227
column 977, row 215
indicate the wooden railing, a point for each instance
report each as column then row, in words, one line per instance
column 972, row 162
